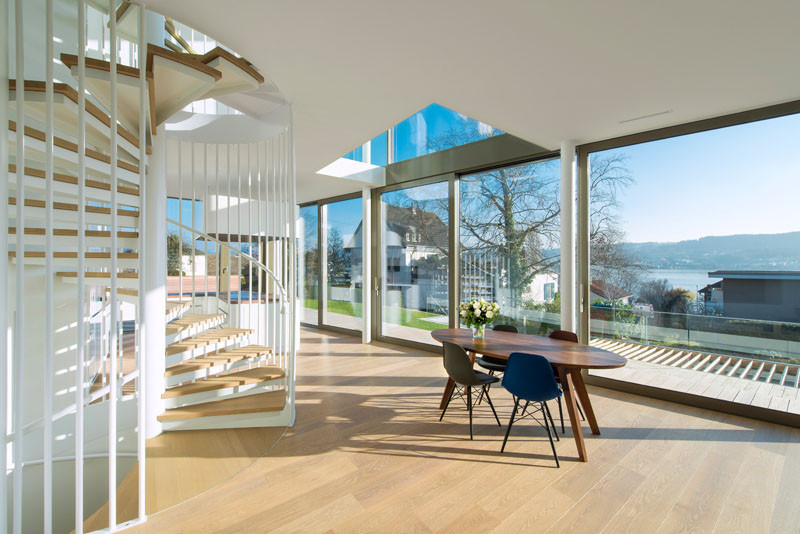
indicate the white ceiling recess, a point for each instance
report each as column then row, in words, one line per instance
column 542, row 71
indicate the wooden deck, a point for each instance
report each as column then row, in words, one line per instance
column 731, row 378
column 368, row 454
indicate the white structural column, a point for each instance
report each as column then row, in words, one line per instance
column 366, row 264
column 155, row 271
column 567, row 281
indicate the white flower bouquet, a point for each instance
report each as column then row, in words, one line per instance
column 477, row 314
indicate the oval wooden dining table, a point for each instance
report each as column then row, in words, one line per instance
column 568, row 358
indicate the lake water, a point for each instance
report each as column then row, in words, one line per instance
column 693, row 280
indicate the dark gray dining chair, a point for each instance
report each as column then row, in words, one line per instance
column 459, row 369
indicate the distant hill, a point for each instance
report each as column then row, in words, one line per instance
column 742, row 251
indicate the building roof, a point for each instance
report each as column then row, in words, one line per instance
column 710, row 287
column 605, row 290
column 756, row 275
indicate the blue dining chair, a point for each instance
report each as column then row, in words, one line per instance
column 530, row 377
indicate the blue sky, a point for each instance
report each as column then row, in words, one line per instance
column 739, row 180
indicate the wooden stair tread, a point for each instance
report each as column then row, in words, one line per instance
column 36, row 86
column 191, row 321
column 68, row 232
column 72, row 180
column 66, row 206
column 39, row 135
column 175, row 306
column 218, row 358
column 62, row 255
column 240, row 62
column 250, row 376
column 272, row 401
column 91, row 274
column 205, row 339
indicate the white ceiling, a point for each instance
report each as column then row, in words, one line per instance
column 543, row 71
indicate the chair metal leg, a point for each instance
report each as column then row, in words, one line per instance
column 447, row 403
column 552, row 424
column 561, row 415
column 469, row 405
column 550, row 436
column 485, row 389
column 510, row 422
column 524, row 409
column 578, row 404
column 491, row 405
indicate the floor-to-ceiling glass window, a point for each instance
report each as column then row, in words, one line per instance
column 343, row 263
column 414, row 240
column 695, row 262
column 308, row 269
column 510, row 243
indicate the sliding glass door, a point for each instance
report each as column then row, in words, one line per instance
column 414, row 257
column 341, row 228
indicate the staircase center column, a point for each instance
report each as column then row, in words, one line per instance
column 155, row 297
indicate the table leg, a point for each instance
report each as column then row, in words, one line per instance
column 448, row 389
column 583, row 395
column 572, row 409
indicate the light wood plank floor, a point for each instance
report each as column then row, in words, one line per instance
column 368, row 454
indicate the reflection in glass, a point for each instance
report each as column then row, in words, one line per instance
column 414, row 238
column 436, row 128
column 343, row 260
column 510, row 243
column 308, row 269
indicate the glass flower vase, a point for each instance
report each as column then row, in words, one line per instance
column 479, row 331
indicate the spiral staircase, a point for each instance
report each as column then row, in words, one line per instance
column 79, row 217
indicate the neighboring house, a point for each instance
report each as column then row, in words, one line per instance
column 601, row 290
column 761, row 295
column 543, row 287
column 711, row 296
column 415, row 261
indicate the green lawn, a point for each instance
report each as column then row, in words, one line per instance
column 391, row 314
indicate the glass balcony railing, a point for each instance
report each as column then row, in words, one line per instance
column 764, row 340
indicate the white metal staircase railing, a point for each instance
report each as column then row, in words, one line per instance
column 271, row 287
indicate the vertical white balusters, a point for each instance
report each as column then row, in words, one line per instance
column 141, row 363
column 216, row 226
column 249, row 240
column 274, row 234
column 262, row 333
column 180, row 220
column 115, row 318
column 81, row 320
column 19, row 323
column 4, row 377
column 205, row 224
column 191, row 234
column 228, row 252
column 239, row 234
column 49, row 368
column 290, row 375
